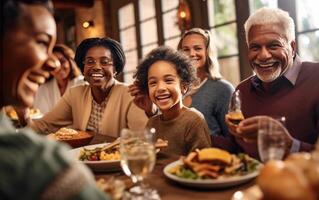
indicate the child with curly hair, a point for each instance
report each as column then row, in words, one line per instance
column 166, row 75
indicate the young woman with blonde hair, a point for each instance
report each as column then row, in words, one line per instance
column 212, row 94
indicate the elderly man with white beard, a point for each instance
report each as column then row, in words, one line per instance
column 282, row 85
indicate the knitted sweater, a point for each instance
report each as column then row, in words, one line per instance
column 212, row 100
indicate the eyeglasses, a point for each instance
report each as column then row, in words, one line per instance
column 104, row 62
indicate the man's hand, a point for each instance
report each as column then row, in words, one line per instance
column 231, row 126
column 248, row 129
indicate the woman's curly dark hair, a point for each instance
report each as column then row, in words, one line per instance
column 182, row 63
column 115, row 47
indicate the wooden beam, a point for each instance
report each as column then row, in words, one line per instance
column 67, row 4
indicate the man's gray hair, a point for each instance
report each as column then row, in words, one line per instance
column 264, row 16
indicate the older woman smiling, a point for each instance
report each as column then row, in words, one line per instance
column 103, row 106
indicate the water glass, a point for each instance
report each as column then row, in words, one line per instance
column 271, row 139
column 138, row 158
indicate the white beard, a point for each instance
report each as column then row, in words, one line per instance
column 271, row 77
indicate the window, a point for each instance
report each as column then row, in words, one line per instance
column 256, row 4
column 128, row 40
column 308, row 29
column 148, row 26
column 171, row 31
column 157, row 25
column 222, row 23
column 139, row 38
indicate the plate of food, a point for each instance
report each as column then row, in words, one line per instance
column 34, row 113
column 105, row 156
column 74, row 138
column 99, row 157
column 212, row 168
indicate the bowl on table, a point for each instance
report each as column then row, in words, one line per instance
column 72, row 137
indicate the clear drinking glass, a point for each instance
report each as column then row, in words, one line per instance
column 137, row 161
column 235, row 115
column 271, row 139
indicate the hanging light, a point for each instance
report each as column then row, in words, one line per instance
column 183, row 16
column 87, row 24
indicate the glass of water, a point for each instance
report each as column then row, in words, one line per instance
column 138, row 158
column 271, row 138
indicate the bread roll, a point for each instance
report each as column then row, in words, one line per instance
column 310, row 168
column 215, row 154
column 284, row 181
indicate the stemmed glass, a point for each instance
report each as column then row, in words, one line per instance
column 137, row 161
column 234, row 112
column 271, row 139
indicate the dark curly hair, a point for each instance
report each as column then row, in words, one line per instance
column 182, row 63
column 115, row 47
column 12, row 10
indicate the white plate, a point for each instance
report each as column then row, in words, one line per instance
column 208, row 183
column 97, row 166
column 36, row 116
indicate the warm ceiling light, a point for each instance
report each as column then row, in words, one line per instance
column 87, row 24
column 182, row 14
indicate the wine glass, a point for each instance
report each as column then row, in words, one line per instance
column 235, row 115
column 271, row 139
column 138, row 158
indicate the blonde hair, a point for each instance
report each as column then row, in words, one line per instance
column 266, row 16
column 211, row 64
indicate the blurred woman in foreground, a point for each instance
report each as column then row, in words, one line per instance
column 33, row 167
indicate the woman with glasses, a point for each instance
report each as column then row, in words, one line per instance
column 68, row 75
column 212, row 94
column 104, row 105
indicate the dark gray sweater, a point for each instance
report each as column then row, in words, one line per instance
column 212, row 100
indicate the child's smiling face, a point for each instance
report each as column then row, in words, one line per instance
column 164, row 87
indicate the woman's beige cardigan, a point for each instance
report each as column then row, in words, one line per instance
column 74, row 108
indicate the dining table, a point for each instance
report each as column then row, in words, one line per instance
column 168, row 189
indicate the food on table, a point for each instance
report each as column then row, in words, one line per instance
column 33, row 112
column 214, row 155
column 295, row 178
column 64, row 133
column 72, row 137
column 159, row 144
column 110, row 151
column 100, row 153
column 213, row 163
column 114, row 187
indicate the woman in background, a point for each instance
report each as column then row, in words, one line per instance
column 212, row 94
column 67, row 76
